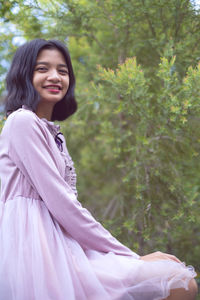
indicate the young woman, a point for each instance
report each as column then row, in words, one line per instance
column 50, row 246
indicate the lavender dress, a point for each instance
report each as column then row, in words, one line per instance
column 51, row 248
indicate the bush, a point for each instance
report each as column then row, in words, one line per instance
column 137, row 154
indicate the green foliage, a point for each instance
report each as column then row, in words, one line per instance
column 142, row 151
column 2, row 120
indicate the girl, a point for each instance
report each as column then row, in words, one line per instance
column 50, row 246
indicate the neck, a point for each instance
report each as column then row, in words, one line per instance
column 44, row 110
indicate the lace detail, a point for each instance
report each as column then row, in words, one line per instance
column 70, row 173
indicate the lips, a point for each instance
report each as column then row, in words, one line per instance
column 53, row 87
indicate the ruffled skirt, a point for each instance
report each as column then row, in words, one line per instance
column 40, row 261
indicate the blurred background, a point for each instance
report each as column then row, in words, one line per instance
column 135, row 138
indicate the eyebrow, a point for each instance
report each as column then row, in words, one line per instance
column 46, row 63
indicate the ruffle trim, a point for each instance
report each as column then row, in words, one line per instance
column 70, row 173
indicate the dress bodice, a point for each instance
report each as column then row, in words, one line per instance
column 70, row 173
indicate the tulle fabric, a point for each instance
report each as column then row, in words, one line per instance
column 40, row 261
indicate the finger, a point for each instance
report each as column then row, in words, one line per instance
column 172, row 257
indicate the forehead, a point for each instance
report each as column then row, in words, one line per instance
column 51, row 55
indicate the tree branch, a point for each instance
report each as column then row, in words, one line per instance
column 149, row 21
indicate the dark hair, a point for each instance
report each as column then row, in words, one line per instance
column 19, row 80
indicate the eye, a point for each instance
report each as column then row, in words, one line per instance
column 41, row 69
column 64, row 71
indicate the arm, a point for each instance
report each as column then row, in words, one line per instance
column 30, row 151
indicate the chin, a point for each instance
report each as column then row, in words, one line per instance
column 52, row 101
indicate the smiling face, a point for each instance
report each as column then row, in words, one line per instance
column 50, row 77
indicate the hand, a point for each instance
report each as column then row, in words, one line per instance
column 159, row 256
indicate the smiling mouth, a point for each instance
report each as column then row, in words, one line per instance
column 52, row 87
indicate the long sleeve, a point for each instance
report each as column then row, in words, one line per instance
column 30, row 151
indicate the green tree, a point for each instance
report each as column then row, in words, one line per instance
column 146, row 166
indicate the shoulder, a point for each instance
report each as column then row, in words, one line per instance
column 22, row 117
column 24, row 122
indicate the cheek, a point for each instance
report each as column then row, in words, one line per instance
column 37, row 81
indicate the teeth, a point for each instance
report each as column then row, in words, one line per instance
column 53, row 87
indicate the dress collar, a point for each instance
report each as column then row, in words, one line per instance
column 54, row 128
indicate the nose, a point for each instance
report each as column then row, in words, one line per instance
column 53, row 76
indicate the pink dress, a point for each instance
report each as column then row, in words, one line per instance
column 51, row 248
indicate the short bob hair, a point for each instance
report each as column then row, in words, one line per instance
column 20, row 89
